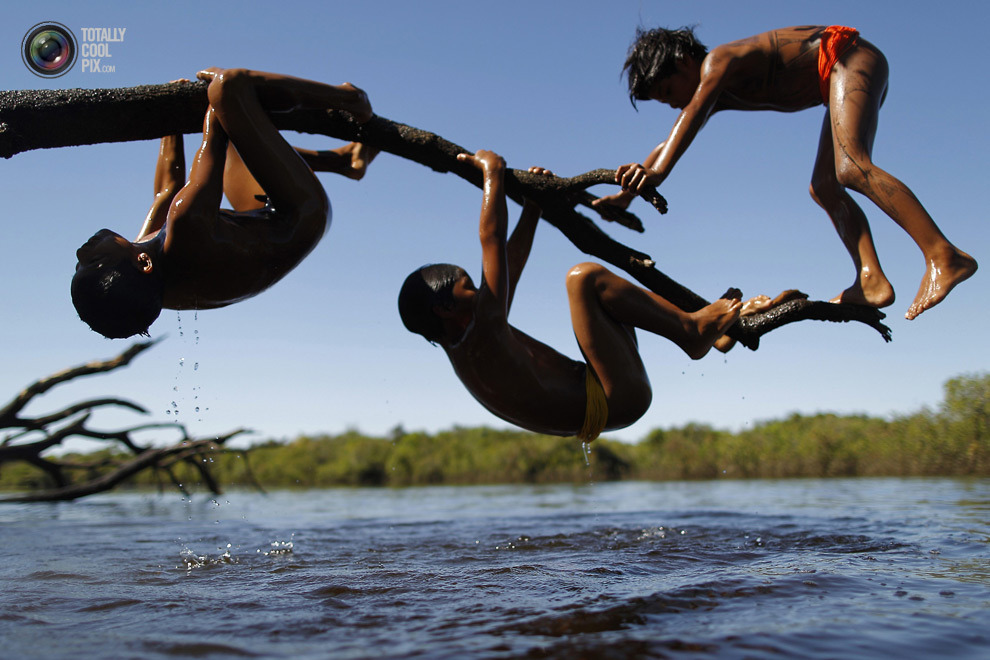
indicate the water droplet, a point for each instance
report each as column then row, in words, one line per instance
column 586, row 448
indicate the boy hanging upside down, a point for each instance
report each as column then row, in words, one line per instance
column 787, row 70
column 522, row 380
column 190, row 253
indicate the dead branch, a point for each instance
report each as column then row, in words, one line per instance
column 147, row 459
column 20, row 447
column 9, row 414
column 44, row 119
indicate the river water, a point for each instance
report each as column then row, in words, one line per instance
column 850, row 568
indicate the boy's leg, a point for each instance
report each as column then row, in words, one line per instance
column 859, row 83
column 604, row 310
column 351, row 160
column 240, row 99
column 239, row 185
column 243, row 190
column 871, row 286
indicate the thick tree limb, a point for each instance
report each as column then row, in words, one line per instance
column 40, row 119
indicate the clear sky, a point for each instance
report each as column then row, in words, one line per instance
column 324, row 350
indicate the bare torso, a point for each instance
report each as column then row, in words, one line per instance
column 234, row 257
column 520, row 379
column 776, row 70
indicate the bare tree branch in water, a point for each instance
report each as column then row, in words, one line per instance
column 25, row 445
column 44, row 119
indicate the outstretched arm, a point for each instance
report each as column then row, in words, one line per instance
column 200, row 197
column 623, row 198
column 493, row 226
column 715, row 71
column 521, row 240
column 170, row 176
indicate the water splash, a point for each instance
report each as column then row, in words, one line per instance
column 278, row 549
column 190, row 560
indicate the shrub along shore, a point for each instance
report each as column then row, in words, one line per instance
column 953, row 440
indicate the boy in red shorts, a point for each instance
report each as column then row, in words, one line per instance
column 788, row 70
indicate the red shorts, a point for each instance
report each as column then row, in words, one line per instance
column 835, row 41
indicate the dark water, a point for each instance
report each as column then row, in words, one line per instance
column 874, row 568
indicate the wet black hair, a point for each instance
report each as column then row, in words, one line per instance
column 117, row 300
column 653, row 56
column 423, row 289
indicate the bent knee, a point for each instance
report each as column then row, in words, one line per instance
column 225, row 83
column 583, row 275
column 628, row 406
column 825, row 189
column 854, row 173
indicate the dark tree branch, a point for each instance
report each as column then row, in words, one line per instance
column 9, row 413
column 40, row 119
column 18, row 447
column 147, row 459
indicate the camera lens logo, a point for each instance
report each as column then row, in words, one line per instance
column 49, row 49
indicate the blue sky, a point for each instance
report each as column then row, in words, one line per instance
column 324, row 350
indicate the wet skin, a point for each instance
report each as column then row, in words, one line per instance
column 530, row 384
column 205, row 256
column 777, row 70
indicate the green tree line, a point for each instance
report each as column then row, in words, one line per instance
column 953, row 439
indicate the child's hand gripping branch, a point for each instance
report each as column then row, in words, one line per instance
column 792, row 69
column 517, row 377
column 190, row 253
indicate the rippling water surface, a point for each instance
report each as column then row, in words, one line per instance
column 866, row 568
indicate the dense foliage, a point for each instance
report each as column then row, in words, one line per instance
column 952, row 440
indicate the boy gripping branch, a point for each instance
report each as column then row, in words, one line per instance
column 190, row 253
column 788, row 70
column 522, row 380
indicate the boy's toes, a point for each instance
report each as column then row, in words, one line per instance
column 208, row 73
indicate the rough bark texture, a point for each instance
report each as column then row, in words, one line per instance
column 44, row 119
column 35, row 435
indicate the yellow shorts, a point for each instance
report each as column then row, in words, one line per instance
column 596, row 412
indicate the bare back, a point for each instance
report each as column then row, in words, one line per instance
column 516, row 377
column 775, row 70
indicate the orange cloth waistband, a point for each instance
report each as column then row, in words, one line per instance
column 835, row 41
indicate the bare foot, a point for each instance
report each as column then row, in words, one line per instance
column 209, row 73
column 941, row 277
column 359, row 106
column 711, row 322
column 361, row 157
column 621, row 200
column 757, row 305
column 870, row 289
